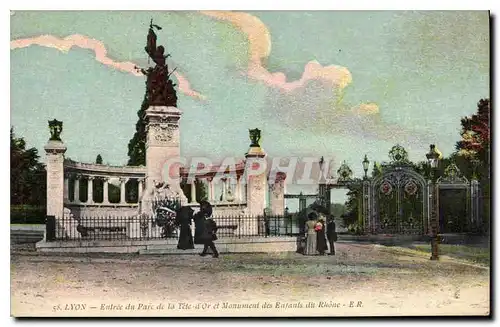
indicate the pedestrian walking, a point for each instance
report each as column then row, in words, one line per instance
column 209, row 230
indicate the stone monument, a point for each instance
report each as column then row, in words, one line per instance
column 277, row 194
column 162, row 127
column 55, row 150
column 256, row 183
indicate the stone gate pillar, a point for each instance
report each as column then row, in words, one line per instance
column 163, row 150
column 475, row 217
column 277, row 194
column 256, row 180
column 55, row 150
column 256, row 184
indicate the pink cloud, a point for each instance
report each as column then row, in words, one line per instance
column 259, row 40
column 81, row 41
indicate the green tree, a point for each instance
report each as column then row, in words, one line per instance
column 27, row 174
column 475, row 134
column 201, row 191
column 98, row 159
column 475, row 146
column 137, row 145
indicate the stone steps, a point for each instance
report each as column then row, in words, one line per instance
column 25, row 236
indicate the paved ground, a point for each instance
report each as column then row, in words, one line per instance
column 361, row 280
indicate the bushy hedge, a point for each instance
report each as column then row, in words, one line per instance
column 27, row 215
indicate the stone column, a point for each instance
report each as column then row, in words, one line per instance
column 224, row 188
column 210, row 189
column 105, row 199
column 256, row 183
column 475, row 217
column 66, row 187
column 238, row 189
column 55, row 150
column 122, row 190
column 140, row 185
column 76, row 189
column 90, row 193
column 193, row 191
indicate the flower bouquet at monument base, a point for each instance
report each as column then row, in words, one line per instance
column 166, row 216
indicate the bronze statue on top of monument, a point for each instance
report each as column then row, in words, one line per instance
column 159, row 87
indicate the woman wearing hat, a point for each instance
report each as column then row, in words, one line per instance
column 311, row 237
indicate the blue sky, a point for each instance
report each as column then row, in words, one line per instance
column 394, row 77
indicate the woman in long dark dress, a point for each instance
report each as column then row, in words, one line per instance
column 321, row 246
column 185, row 236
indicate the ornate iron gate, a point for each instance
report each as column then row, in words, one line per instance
column 463, row 217
column 398, row 201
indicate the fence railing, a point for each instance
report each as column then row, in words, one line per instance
column 150, row 227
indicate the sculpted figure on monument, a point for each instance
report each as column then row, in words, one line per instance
column 159, row 88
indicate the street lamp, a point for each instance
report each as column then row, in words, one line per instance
column 366, row 164
column 322, row 189
column 433, row 159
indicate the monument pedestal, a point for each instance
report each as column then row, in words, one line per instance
column 162, row 155
column 55, row 178
column 55, row 150
column 277, row 196
column 256, row 183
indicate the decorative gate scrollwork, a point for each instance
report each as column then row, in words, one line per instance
column 458, row 201
column 399, row 202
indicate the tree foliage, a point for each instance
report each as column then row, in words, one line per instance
column 137, row 144
column 475, row 133
column 27, row 174
column 475, row 145
column 98, row 159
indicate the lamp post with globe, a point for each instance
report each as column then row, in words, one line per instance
column 366, row 164
column 433, row 157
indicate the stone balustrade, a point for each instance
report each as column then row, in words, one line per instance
column 97, row 178
column 105, row 170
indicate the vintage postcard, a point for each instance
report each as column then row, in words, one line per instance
column 250, row 163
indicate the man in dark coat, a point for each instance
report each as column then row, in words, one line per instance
column 199, row 223
column 331, row 234
column 209, row 230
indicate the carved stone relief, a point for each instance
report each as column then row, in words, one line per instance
column 161, row 134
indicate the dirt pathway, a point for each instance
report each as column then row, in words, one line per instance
column 361, row 280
